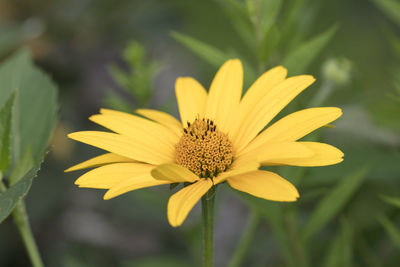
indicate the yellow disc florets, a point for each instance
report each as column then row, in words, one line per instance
column 203, row 149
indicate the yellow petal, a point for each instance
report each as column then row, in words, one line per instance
column 162, row 118
column 109, row 175
column 191, row 97
column 270, row 105
column 180, row 203
column 107, row 158
column 125, row 146
column 295, row 126
column 138, row 128
column 276, row 152
column 224, row 95
column 174, row 173
column 138, row 182
column 324, row 155
column 264, row 184
column 236, row 170
column 255, row 93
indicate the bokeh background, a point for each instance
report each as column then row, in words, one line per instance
column 127, row 55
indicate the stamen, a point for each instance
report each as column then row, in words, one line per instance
column 203, row 149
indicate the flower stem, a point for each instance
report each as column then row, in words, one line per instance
column 21, row 220
column 244, row 243
column 207, row 204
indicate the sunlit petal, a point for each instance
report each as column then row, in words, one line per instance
column 191, row 97
column 109, row 175
column 264, row 184
column 107, row 158
column 182, row 202
column 174, row 173
column 224, row 95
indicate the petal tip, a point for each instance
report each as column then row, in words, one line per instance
column 107, row 196
column 281, row 68
column 93, row 117
column 173, row 223
column 309, row 79
column 235, row 60
column 237, row 63
column 103, row 110
column 73, row 135
column 155, row 173
column 337, row 112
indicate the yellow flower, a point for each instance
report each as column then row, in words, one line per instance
column 221, row 138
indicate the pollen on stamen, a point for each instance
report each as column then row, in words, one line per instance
column 203, row 149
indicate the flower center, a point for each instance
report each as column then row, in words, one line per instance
column 203, row 149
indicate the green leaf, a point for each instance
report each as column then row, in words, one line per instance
column 213, row 56
column 34, row 117
column 291, row 28
column 119, row 76
column 134, row 53
column 207, row 52
column 340, row 249
column 299, row 59
column 35, row 106
column 240, row 20
column 115, row 101
column 22, row 167
column 395, row 201
column 268, row 12
column 391, row 230
column 336, row 199
column 5, row 134
column 15, row 193
column 393, row 39
column 269, row 44
column 391, row 8
column 137, row 80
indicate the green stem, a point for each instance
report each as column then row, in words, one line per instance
column 207, row 204
column 21, row 220
column 244, row 243
column 298, row 248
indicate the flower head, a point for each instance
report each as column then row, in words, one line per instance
column 220, row 138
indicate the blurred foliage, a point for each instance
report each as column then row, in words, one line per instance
column 136, row 81
column 26, row 125
column 347, row 215
column 263, row 28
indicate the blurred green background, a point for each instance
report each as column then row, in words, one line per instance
column 127, row 54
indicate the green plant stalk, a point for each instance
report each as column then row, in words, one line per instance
column 298, row 248
column 245, row 241
column 207, row 205
column 21, row 220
